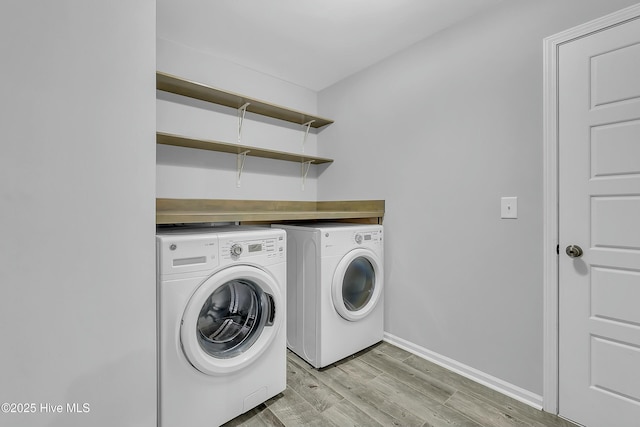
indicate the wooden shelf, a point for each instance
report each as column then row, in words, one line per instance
column 169, row 83
column 203, row 144
column 178, row 211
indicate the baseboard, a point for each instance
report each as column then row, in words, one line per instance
column 483, row 378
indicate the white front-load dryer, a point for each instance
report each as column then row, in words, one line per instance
column 335, row 290
column 221, row 322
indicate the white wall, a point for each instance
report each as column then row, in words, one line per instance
column 77, row 271
column 190, row 173
column 442, row 131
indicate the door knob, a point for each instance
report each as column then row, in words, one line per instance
column 574, row 251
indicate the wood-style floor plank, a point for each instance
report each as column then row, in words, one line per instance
column 498, row 400
column 310, row 389
column 354, row 391
column 260, row 416
column 393, row 351
column 406, row 397
column 346, row 413
column 378, row 395
column 437, row 390
column 388, row 386
column 357, row 369
column 482, row 413
column 293, row 410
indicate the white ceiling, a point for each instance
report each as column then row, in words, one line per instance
column 312, row 43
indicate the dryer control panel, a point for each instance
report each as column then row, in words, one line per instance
column 334, row 240
column 364, row 238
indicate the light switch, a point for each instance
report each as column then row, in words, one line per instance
column 509, row 207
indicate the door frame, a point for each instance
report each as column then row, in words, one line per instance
column 551, row 48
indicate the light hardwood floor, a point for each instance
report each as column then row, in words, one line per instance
column 387, row 386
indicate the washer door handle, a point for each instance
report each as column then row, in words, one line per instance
column 271, row 317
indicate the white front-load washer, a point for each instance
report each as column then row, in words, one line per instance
column 335, row 290
column 221, row 322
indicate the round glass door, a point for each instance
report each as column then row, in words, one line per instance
column 357, row 284
column 230, row 320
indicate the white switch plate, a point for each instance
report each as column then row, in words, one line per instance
column 509, row 207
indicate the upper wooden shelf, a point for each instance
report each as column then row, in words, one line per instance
column 203, row 144
column 170, row 83
column 177, row 211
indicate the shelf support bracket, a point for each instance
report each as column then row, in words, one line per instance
column 304, row 171
column 306, row 132
column 240, row 165
column 241, row 112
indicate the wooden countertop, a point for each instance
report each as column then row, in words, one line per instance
column 177, row 211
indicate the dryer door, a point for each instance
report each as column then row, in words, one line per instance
column 231, row 319
column 357, row 284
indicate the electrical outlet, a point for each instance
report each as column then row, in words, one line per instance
column 509, row 208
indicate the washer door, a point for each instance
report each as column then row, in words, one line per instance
column 357, row 284
column 231, row 319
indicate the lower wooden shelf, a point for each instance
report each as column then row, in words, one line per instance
column 224, row 147
column 179, row 211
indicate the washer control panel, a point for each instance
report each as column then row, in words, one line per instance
column 236, row 250
column 180, row 255
column 242, row 249
column 192, row 250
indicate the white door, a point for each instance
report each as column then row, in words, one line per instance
column 357, row 284
column 231, row 319
column 599, row 212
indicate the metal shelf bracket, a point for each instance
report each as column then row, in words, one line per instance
column 306, row 132
column 304, row 171
column 241, row 112
column 240, row 165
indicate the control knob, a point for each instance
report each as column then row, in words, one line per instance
column 236, row 250
column 359, row 239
